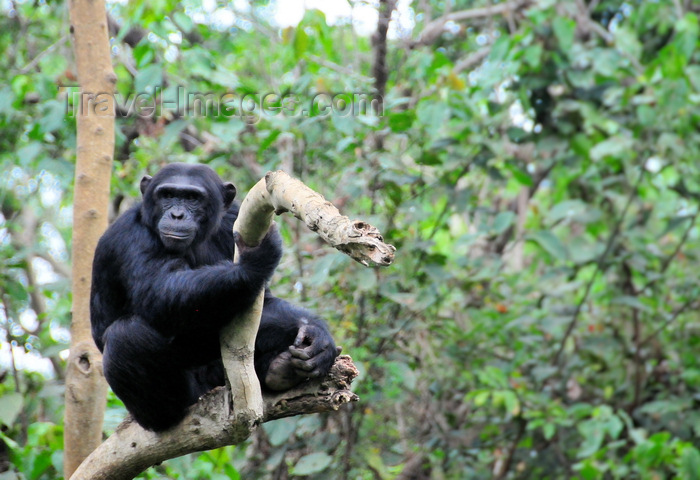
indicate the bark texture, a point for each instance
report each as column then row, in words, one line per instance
column 85, row 385
column 355, row 238
column 238, row 338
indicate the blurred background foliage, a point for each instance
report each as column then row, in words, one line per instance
column 534, row 162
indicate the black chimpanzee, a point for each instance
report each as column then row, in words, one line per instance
column 164, row 284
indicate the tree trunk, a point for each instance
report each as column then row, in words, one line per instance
column 85, row 385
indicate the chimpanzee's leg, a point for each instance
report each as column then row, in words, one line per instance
column 147, row 375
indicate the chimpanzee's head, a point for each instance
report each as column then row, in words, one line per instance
column 183, row 204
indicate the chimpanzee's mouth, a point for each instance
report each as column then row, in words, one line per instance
column 176, row 235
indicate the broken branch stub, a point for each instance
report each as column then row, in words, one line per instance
column 357, row 239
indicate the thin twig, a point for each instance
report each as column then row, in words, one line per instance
column 30, row 66
column 60, row 268
column 628, row 289
column 338, row 68
column 667, row 261
column 503, row 471
column 599, row 267
column 668, row 322
column 471, row 60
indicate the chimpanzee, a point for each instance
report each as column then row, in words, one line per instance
column 164, row 284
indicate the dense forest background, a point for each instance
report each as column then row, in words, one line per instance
column 534, row 162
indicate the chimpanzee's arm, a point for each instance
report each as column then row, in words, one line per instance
column 292, row 345
column 173, row 298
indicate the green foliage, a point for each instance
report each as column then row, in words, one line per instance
column 540, row 320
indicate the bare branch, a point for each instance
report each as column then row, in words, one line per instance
column 355, row 238
column 61, row 268
column 379, row 68
column 471, row 60
column 338, row 68
column 434, row 29
column 31, row 65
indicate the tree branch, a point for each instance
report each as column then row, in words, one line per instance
column 434, row 29
column 379, row 68
column 471, row 60
column 211, row 423
column 358, row 239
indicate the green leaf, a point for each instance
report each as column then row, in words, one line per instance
column 228, row 131
column 520, row 175
column 500, row 49
column 183, row 21
column 626, row 41
column 267, row 141
column 401, row 121
column 10, row 406
column 432, row 116
column 548, row 430
column 591, row 438
column 502, row 221
column 148, row 78
column 630, row 301
column 615, row 146
column 224, row 78
column 301, row 42
column 53, row 116
column 674, row 223
column 589, row 471
column 510, row 401
column 550, row 243
column 312, row 463
column 15, row 290
column 686, row 35
column 6, row 99
column 41, row 464
column 564, row 29
column 480, row 397
column 280, row 431
column 532, row 55
column 28, row 153
column 568, row 208
column 690, row 464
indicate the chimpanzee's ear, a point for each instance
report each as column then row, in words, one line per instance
column 229, row 194
column 144, row 183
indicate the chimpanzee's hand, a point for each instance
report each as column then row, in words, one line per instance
column 264, row 258
column 313, row 352
column 311, row 356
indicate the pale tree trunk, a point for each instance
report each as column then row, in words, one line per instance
column 85, row 385
column 227, row 416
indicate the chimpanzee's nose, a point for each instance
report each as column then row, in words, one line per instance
column 177, row 214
